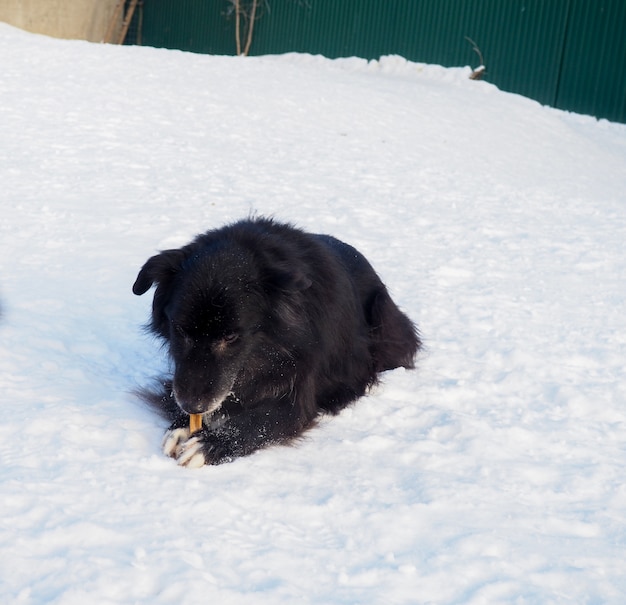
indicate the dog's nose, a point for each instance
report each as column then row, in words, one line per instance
column 194, row 408
column 196, row 404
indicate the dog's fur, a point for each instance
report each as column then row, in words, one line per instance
column 267, row 327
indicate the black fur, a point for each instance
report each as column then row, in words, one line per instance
column 267, row 327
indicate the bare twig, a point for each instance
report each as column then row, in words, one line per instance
column 480, row 71
column 251, row 26
column 246, row 13
column 127, row 20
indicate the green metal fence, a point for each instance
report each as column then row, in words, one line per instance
column 570, row 54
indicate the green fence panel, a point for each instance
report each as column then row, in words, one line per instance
column 593, row 74
column 565, row 53
column 200, row 26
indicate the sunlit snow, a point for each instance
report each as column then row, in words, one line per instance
column 493, row 473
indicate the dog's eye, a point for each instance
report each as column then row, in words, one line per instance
column 230, row 338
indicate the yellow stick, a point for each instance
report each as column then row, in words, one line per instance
column 195, row 422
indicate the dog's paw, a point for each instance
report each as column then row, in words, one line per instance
column 190, row 454
column 185, row 449
column 194, row 451
column 173, row 441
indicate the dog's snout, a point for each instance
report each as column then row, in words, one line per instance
column 198, row 404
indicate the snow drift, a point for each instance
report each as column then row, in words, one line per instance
column 492, row 473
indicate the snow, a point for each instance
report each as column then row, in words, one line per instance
column 494, row 473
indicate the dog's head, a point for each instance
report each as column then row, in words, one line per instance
column 214, row 308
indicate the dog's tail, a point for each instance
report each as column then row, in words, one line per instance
column 395, row 340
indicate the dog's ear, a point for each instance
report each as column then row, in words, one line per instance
column 157, row 269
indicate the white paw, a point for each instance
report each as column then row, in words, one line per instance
column 186, row 451
column 191, row 454
column 173, row 440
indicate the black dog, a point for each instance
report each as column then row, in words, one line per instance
column 267, row 327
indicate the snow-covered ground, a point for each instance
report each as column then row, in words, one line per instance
column 494, row 473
